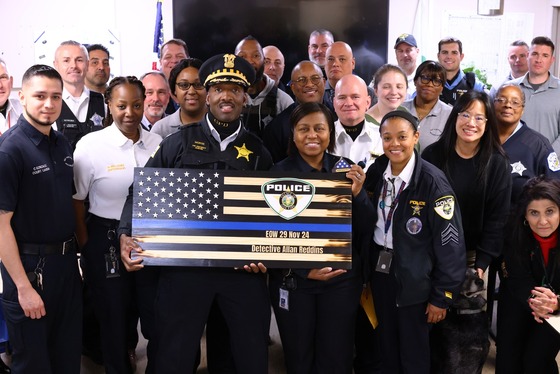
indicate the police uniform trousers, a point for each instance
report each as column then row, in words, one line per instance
column 403, row 331
column 523, row 345
column 317, row 331
column 52, row 343
column 146, row 282
column 110, row 296
column 366, row 345
column 183, row 301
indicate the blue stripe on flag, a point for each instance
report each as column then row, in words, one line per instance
column 226, row 225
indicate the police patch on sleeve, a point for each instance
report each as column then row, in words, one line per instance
column 553, row 163
column 445, row 206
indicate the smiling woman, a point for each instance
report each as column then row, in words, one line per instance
column 529, row 288
column 308, row 302
column 104, row 163
column 417, row 255
column 470, row 155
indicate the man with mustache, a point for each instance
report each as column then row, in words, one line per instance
column 99, row 68
column 264, row 100
column 186, row 294
column 319, row 41
column 157, row 98
column 83, row 110
column 308, row 85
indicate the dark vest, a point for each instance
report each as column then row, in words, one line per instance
column 451, row 96
column 257, row 117
column 73, row 129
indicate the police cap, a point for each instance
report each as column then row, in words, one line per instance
column 227, row 68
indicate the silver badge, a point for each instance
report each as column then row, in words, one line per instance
column 97, row 120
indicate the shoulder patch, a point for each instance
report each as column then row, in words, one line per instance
column 553, row 162
column 445, row 207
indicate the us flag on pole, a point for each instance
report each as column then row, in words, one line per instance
column 225, row 218
column 158, row 32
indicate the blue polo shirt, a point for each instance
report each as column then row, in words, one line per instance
column 36, row 183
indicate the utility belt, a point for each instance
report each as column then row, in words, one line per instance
column 67, row 247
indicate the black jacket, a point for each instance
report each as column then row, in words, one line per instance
column 524, row 267
column 430, row 264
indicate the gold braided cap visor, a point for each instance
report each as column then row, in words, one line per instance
column 227, row 76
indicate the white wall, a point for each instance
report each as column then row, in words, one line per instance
column 132, row 23
column 428, row 20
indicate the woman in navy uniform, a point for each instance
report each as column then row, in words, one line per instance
column 418, row 255
column 316, row 308
column 186, row 294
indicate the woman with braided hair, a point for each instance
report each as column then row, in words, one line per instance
column 104, row 163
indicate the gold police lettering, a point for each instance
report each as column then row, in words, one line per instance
column 416, row 206
column 229, row 60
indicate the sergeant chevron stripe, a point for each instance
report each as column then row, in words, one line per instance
column 450, row 234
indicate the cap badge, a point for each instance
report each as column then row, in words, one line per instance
column 229, row 61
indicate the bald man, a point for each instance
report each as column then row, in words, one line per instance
column 274, row 64
column 308, row 85
column 355, row 137
column 340, row 62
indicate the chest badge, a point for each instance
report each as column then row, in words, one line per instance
column 416, row 206
column 518, row 167
column 243, row 152
column 97, row 120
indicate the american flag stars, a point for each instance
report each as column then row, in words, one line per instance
column 158, row 188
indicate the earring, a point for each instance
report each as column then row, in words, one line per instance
column 525, row 223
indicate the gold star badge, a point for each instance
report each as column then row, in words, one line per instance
column 243, row 152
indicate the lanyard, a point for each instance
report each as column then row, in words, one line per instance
column 387, row 218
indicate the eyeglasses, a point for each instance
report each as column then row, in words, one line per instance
column 514, row 103
column 435, row 81
column 302, row 81
column 184, row 86
column 467, row 117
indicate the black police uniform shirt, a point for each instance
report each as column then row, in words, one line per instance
column 194, row 147
column 530, row 154
column 69, row 125
column 36, row 183
column 361, row 228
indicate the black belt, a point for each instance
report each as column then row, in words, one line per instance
column 63, row 248
column 104, row 222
